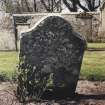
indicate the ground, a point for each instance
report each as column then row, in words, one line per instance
column 87, row 93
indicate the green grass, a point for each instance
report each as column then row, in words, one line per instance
column 93, row 66
column 96, row 45
column 8, row 62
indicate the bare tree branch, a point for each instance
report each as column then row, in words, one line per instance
column 35, row 6
column 46, row 7
column 81, row 6
column 72, row 8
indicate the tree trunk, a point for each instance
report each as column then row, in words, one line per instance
column 35, row 6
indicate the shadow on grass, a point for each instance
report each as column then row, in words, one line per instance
column 76, row 100
column 91, row 96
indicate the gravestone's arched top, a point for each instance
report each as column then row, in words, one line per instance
column 41, row 20
column 53, row 21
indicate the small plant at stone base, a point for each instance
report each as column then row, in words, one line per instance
column 31, row 81
column 3, row 77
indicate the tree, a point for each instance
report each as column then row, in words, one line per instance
column 35, row 5
column 50, row 5
column 73, row 5
column 8, row 5
column 91, row 5
column 21, row 6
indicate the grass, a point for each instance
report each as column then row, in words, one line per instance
column 8, row 62
column 96, row 45
column 93, row 66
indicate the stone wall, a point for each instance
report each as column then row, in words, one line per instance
column 7, row 38
column 101, row 33
column 87, row 25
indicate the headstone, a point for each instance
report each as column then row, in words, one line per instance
column 50, row 58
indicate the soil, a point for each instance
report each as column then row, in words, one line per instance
column 87, row 93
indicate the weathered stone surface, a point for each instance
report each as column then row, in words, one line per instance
column 52, row 52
